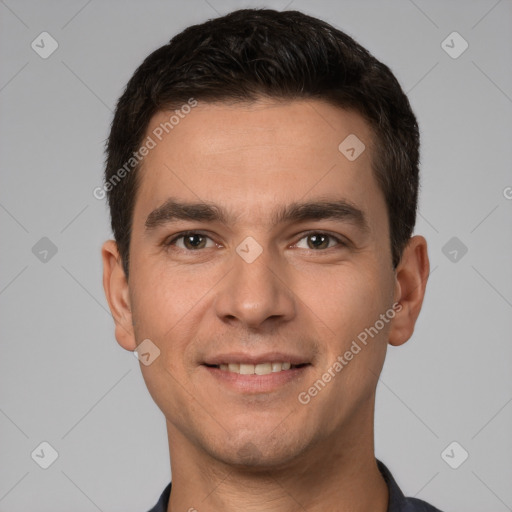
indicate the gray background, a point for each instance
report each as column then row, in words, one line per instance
column 64, row 379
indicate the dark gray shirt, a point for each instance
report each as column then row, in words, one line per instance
column 397, row 501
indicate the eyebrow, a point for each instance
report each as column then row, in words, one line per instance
column 173, row 210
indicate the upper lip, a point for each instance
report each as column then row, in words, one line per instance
column 269, row 357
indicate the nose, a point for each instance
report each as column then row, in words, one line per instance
column 255, row 294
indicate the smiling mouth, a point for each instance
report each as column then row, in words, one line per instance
column 256, row 369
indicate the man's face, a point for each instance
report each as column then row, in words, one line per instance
column 254, row 288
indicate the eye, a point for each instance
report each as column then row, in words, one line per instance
column 317, row 240
column 191, row 241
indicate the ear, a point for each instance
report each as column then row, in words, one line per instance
column 116, row 289
column 411, row 277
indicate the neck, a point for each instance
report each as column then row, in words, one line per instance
column 341, row 477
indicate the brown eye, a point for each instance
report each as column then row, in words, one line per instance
column 319, row 241
column 190, row 241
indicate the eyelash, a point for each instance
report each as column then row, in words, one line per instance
column 169, row 243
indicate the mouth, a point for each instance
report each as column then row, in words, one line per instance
column 256, row 374
column 256, row 369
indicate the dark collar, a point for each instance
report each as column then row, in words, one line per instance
column 397, row 501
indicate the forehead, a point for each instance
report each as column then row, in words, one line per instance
column 247, row 156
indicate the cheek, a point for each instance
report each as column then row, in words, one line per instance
column 168, row 304
column 159, row 301
column 349, row 307
column 343, row 301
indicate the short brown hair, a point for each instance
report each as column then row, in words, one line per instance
column 251, row 53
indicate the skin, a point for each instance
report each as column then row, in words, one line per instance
column 265, row 451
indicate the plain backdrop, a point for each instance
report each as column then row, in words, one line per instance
column 64, row 379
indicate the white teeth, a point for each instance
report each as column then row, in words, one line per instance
column 263, row 369
column 255, row 369
column 246, row 369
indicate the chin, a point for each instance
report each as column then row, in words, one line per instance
column 259, row 451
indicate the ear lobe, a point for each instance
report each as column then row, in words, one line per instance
column 411, row 281
column 117, row 294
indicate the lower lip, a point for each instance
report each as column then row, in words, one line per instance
column 256, row 383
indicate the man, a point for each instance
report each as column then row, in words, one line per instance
column 262, row 177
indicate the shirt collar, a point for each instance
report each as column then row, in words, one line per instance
column 397, row 500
